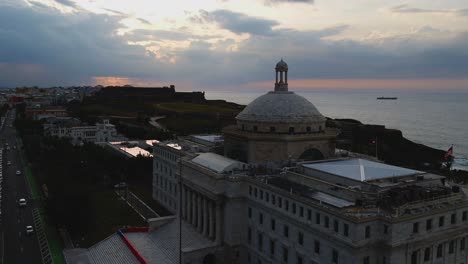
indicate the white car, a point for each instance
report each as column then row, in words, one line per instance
column 18, row 172
column 22, row 202
column 121, row 185
column 29, row 230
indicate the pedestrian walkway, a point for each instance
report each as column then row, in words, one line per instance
column 41, row 237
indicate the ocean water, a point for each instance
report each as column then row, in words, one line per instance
column 436, row 119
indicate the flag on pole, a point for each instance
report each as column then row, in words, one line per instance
column 449, row 153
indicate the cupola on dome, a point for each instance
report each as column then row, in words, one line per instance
column 281, row 108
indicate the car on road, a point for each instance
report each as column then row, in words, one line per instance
column 29, row 230
column 22, row 202
column 18, row 172
column 120, row 185
column 8, row 163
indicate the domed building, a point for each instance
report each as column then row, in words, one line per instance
column 278, row 127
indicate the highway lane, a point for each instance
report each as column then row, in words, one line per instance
column 18, row 247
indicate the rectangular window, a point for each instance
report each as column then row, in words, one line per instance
column 255, row 192
column 428, row 224
column 301, row 211
column 453, row 219
column 439, row 250
column 267, row 197
column 273, row 224
column 427, row 254
column 260, row 218
column 414, row 257
column 299, row 260
column 385, row 229
column 273, row 199
column 462, row 244
column 286, row 205
column 345, row 230
column 261, row 194
column 316, row 247
column 334, row 256
column 327, row 221
column 250, row 190
column 317, row 218
column 335, row 226
column 280, row 202
column 300, row 238
column 367, row 233
column 415, row 227
column 286, row 231
column 366, row 260
column 249, row 235
column 250, row 212
column 464, row 215
column 294, row 208
column 441, row 221
column 309, row 214
column 285, row 254
column 451, row 247
column 260, row 242
column 272, row 247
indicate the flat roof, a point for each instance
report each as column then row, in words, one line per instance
column 210, row 138
column 361, row 170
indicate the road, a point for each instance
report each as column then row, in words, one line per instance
column 16, row 246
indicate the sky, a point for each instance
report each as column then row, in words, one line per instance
column 235, row 44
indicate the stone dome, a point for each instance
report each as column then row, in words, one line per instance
column 281, row 107
column 281, row 66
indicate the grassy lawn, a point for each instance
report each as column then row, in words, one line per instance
column 53, row 239
column 145, row 195
column 182, row 107
column 110, row 214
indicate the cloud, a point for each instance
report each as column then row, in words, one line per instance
column 68, row 3
column 239, row 23
column 69, row 48
column 144, row 21
column 405, row 9
column 42, row 46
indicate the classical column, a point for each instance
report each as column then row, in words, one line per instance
column 205, row 217
column 219, row 221
column 183, row 203
column 212, row 221
column 286, row 76
column 200, row 213
column 276, row 76
column 192, row 208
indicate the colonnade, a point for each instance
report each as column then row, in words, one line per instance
column 202, row 213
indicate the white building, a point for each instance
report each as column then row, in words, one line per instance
column 69, row 127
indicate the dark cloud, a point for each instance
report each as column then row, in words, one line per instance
column 144, row 21
column 41, row 46
column 68, row 3
column 240, row 23
column 414, row 10
column 68, row 48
